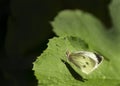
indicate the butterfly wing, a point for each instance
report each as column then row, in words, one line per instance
column 85, row 63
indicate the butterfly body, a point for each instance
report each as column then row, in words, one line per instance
column 86, row 61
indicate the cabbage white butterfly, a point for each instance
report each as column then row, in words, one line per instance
column 85, row 60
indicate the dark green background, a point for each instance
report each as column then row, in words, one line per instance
column 25, row 29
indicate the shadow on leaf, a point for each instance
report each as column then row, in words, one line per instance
column 73, row 72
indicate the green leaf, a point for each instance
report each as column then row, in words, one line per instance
column 77, row 31
column 115, row 12
column 85, row 26
column 53, row 69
